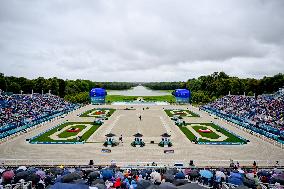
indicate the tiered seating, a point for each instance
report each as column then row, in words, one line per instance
column 18, row 112
column 264, row 114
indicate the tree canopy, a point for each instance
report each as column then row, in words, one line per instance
column 203, row 89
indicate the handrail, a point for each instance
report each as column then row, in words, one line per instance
column 163, row 163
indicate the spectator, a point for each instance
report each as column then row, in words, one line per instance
column 19, row 110
column 265, row 113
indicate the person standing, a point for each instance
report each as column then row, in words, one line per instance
column 120, row 139
column 140, row 117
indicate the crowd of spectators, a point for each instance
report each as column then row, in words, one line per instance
column 18, row 110
column 261, row 110
column 142, row 178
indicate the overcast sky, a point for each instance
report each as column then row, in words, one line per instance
column 143, row 40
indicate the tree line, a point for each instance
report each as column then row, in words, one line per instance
column 56, row 86
column 165, row 85
column 208, row 88
column 203, row 89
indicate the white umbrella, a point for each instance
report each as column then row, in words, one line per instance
column 220, row 174
column 22, row 168
column 156, row 177
column 250, row 175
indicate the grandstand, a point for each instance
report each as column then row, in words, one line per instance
column 36, row 134
column 263, row 114
column 20, row 112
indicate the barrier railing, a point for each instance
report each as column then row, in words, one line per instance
column 35, row 125
column 250, row 130
column 137, row 163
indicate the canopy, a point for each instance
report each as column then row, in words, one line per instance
column 182, row 93
column 8, row 175
column 180, row 175
column 110, row 135
column 235, row 178
column 138, row 135
column 206, row 174
column 107, row 173
column 165, row 135
column 96, row 92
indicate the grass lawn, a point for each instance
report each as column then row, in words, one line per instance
column 187, row 133
column 120, row 98
column 166, row 98
column 190, row 113
column 116, row 98
column 66, row 134
column 211, row 135
column 191, row 136
column 85, row 114
column 44, row 137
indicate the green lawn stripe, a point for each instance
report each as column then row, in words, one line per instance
column 120, row 98
column 66, row 134
column 231, row 137
column 187, row 133
column 191, row 114
column 211, row 135
column 85, row 114
column 45, row 136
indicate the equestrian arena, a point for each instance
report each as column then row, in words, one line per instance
column 30, row 147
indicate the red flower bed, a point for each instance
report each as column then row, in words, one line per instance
column 204, row 130
column 180, row 113
column 99, row 113
column 73, row 130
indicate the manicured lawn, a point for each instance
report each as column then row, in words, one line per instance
column 231, row 137
column 66, row 134
column 92, row 111
column 190, row 113
column 44, row 137
column 191, row 136
column 120, row 98
column 187, row 133
column 165, row 98
column 211, row 135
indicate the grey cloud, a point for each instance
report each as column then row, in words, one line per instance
column 145, row 40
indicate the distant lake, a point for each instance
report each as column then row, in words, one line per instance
column 138, row 91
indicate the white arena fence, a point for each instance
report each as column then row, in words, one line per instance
column 160, row 163
column 262, row 137
column 10, row 137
